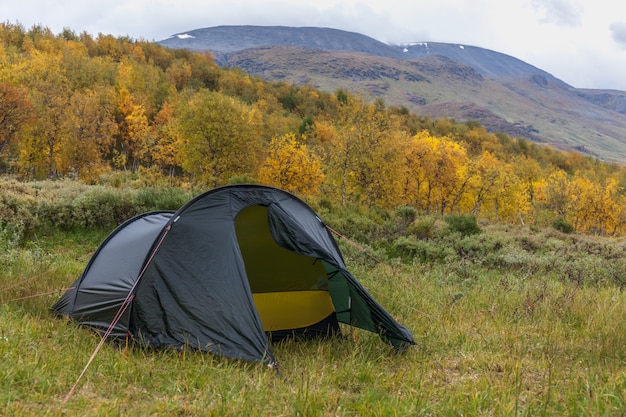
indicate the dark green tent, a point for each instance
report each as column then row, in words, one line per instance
column 230, row 269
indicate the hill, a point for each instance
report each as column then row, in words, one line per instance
column 98, row 110
column 461, row 82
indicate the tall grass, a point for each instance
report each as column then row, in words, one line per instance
column 508, row 322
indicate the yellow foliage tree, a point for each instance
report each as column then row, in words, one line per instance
column 40, row 145
column 291, row 166
column 88, row 127
column 554, row 193
column 168, row 140
column 595, row 205
column 220, row 137
column 136, row 138
column 495, row 191
column 436, row 173
column 419, row 159
column 365, row 156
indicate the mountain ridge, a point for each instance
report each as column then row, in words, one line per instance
column 461, row 82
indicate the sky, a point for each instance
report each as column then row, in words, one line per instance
column 581, row 42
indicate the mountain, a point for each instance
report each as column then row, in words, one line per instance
column 462, row 82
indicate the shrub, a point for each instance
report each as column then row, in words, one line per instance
column 562, row 226
column 355, row 225
column 96, row 207
column 410, row 248
column 103, row 207
column 170, row 198
column 529, row 243
column 465, row 224
column 13, row 233
column 423, row 227
column 405, row 216
column 117, row 179
column 17, row 221
column 242, row 179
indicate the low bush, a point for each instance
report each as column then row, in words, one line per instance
column 562, row 226
column 170, row 198
column 405, row 216
column 26, row 208
column 428, row 251
column 465, row 224
column 423, row 227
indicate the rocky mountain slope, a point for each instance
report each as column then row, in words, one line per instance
column 462, row 82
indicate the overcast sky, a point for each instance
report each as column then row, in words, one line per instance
column 582, row 42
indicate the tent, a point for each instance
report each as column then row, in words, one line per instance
column 230, row 270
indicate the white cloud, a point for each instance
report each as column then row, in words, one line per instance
column 559, row 12
column 618, row 33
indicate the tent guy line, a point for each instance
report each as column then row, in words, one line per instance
column 41, row 294
column 116, row 319
column 6, row 289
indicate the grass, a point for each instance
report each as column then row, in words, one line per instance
column 492, row 340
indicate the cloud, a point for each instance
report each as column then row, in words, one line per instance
column 559, row 12
column 618, row 33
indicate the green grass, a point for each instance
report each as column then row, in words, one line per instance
column 496, row 339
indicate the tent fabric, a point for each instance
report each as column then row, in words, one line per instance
column 228, row 269
column 97, row 295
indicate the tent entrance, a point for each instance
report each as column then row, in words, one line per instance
column 290, row 290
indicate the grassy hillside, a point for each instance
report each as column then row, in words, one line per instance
column 508, row 320
column 532, row 107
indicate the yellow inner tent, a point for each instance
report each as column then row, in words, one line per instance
column 290, row 291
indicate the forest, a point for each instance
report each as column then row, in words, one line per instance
column 101, row 110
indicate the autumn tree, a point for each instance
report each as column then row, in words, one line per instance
column 529, row 172
column 40, row 144
column 88, row 127
column 220, row 137
column 418, row 159
column 15, row 111
column 365, row 155
column 496, row 192
column 436, row 174
column 147, row 84
column 596, row 206
column 290, row 165
column 135, row 139
column 178, row 73
column 168, row 139
column 451, row 177
column 554, row 193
